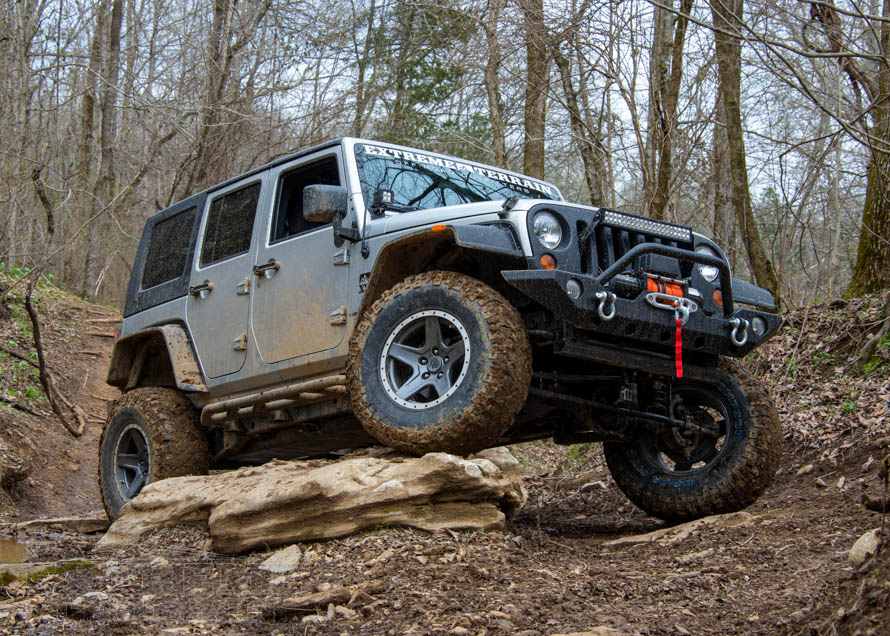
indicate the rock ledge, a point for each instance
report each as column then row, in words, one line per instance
column 285, row 502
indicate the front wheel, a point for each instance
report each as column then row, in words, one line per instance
column 720, row 465
column 152, row 434
column 440, row 362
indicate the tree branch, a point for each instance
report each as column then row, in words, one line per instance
column 46, row 379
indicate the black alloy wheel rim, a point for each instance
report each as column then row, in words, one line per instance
column 680, row 453
column 131, row 462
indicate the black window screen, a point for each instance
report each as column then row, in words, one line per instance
column 230, row 224
column 168, row 248
column 289, row 212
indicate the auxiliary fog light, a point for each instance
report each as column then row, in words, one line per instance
column 573, row 289
column 758, row 326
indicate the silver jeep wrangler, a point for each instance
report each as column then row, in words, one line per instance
column 360, row 292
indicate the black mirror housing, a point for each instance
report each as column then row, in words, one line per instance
column 322, row 203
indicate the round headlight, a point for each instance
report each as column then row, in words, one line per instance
column 708, row 272
column 548, row 229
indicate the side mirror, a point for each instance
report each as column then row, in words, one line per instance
column 322, row 203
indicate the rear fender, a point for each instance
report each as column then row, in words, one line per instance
column 157, row 356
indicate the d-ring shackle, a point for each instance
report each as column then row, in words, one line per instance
column 739, row 334
column 607, row 302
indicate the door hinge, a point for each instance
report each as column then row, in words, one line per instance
column 240, row 343
column 338, row 317
column 341, row 256
column 243, row 288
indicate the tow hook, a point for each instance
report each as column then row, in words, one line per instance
column 739, row 334
column 606, row 308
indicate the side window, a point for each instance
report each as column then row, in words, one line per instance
column 230, row 225
column 289, row 219
column 168, row 248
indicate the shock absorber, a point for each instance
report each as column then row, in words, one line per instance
column 661, row 396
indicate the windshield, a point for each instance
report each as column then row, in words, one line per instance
column 420, row 181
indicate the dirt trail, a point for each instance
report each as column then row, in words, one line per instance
column 554, row 573
column 782, row 570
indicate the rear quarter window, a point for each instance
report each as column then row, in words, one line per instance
column 168, row 249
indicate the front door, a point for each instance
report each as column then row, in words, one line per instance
column 299, row 304
column 219, row 291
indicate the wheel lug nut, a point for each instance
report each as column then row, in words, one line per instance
column 439, row 376
column 446, row 358
column 435, row 351
column 426, row 375
column 423, row 361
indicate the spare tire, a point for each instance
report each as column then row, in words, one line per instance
column 440, row 362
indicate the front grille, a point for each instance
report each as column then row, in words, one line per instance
column 616, row 233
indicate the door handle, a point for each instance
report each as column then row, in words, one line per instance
column 272, row 265
column 196, row 290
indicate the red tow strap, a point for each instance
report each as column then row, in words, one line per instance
column 678, row 348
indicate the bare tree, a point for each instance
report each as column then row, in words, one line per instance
column 726, row 15
column 872, row 269
column 666, row 64
column 490, row 24
column 536, row 86
column 103, row 189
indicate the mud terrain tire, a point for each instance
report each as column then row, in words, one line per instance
column 153, row 431
column 724, row 479
column 440, row 362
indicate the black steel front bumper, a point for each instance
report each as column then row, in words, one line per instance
column 729, row 332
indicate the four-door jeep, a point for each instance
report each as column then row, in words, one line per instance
column 361, row 292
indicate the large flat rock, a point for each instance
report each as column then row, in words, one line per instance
column 285, row 502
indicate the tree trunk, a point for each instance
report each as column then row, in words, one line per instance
column 659, row 54
column 492, row 85
column 726, row 15
column 665, row 97
column 537, row 79
column 872, row 270
column 87, row 131
column 588, row 144
column 402, row 108
column 721, row 186
column 104, row 188
column 366, row 64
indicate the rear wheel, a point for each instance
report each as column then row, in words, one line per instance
column 720, row 464
column 152, row 434
column 441, row 362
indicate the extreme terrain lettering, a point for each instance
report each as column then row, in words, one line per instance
column 458, row 166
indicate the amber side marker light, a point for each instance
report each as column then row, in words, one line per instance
column 548, row 262
column 718, row 297
column 438, row 227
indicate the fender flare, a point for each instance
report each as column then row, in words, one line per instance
column 391, row 266
column 128, row 358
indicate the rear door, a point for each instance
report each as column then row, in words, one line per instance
column 299, row 304
column 219, row 290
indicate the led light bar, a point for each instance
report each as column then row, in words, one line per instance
column 647, row 226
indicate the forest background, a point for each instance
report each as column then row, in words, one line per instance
column 764, row 123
